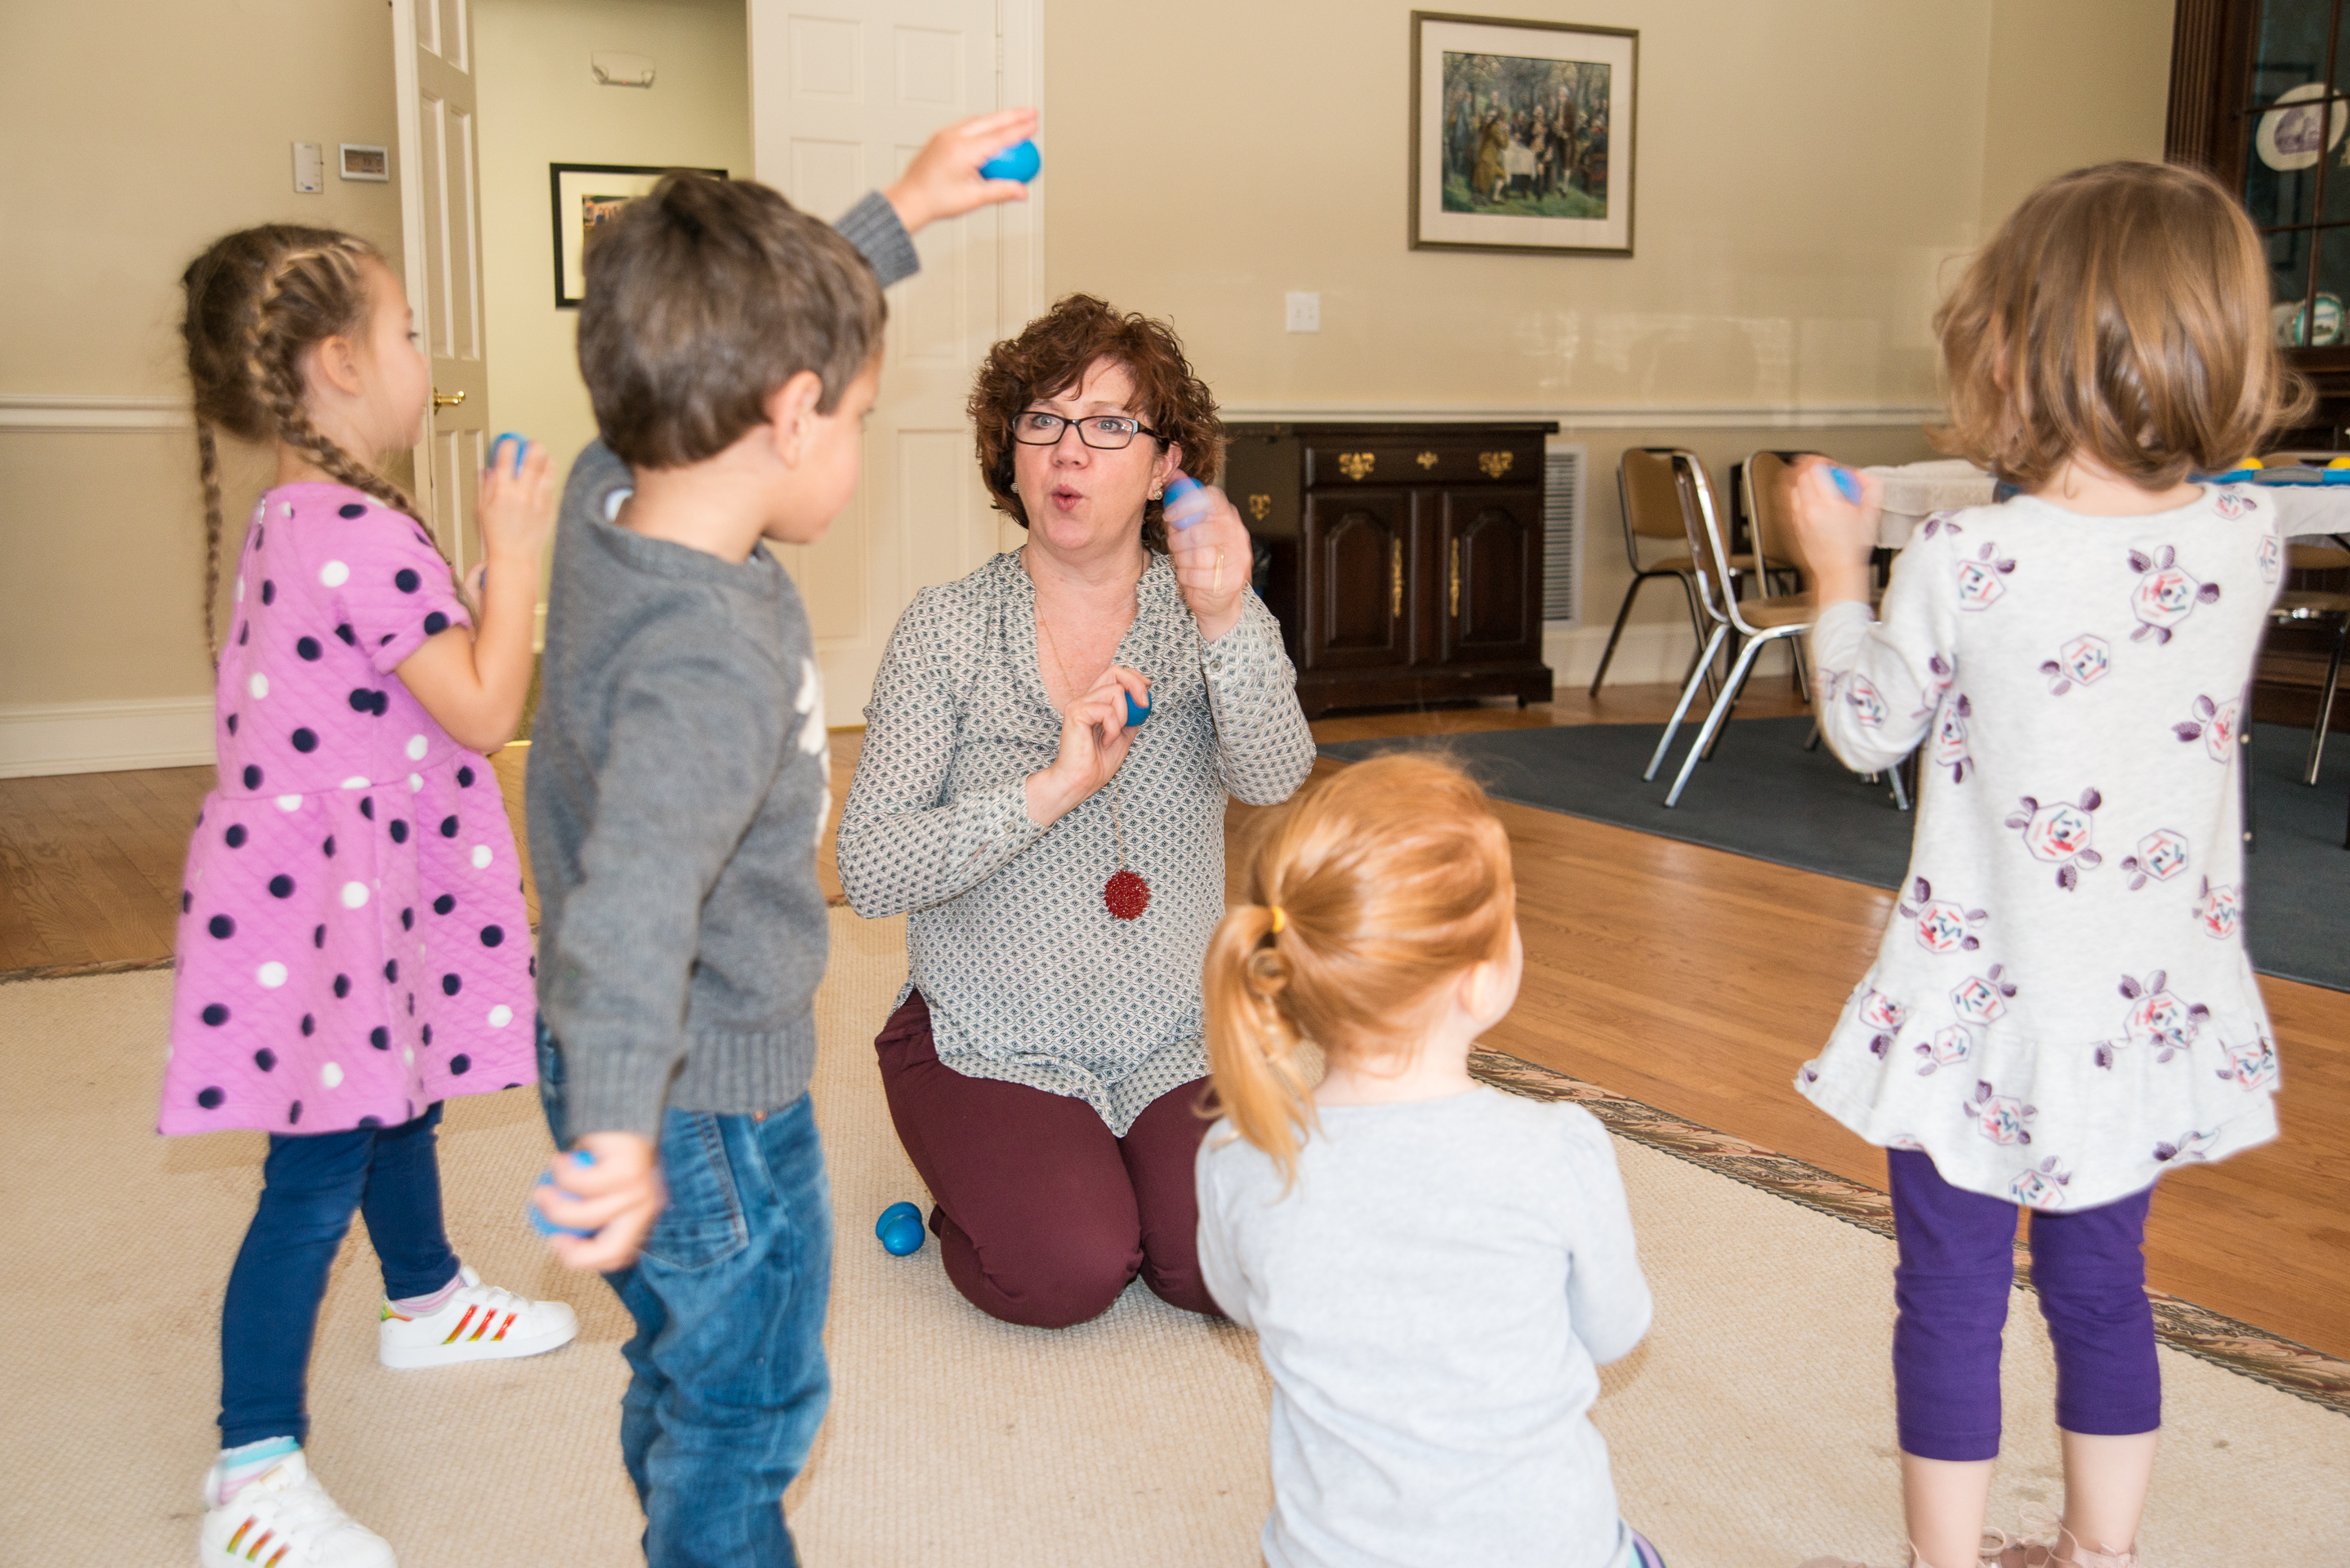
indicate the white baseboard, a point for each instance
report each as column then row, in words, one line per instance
column 36, row 742
column 1656, row 653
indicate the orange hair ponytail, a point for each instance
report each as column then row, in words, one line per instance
column 1369, row 893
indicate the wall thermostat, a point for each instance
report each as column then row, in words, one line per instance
column 362, row 163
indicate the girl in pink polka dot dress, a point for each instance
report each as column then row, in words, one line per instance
column 353, row 948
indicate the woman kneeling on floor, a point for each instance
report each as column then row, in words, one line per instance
column 1064, row 866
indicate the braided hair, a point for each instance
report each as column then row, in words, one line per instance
column 256, row 300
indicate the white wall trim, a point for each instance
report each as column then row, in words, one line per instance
column 1610, row 415
column 59, row 413
column 39, row 741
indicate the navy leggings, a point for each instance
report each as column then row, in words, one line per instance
column 310, row 1186
column 1958, row 1262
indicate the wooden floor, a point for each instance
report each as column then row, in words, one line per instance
column 1690, row 978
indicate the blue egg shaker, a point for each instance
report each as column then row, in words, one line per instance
column 540, row 1222
column 521, row 446
column 899, row 1230
column 1846, row 481
column 1018, row 161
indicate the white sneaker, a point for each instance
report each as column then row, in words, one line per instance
column 479, row 1322
column 285, row 1519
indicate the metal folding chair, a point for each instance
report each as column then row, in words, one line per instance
column 1651, row 510
column 1756, row 622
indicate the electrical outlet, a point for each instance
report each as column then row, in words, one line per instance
column 1305, row 312
column 310, row 167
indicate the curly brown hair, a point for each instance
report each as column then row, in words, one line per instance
column 2121, row 312
column 1052, row 355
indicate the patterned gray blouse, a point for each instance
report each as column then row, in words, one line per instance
column 1029, row 977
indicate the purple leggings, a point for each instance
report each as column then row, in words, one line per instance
column 1951, row 1284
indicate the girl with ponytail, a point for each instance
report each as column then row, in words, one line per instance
column 353, row 947
column 1435, row 1271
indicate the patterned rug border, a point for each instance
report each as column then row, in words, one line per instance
column 2238, row 1348
column 80, row 970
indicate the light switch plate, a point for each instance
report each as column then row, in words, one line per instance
column 1305, row 312
column 310, row 167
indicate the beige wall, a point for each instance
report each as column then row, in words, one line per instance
column 2072, row 82
column 1806, row 169
column 137, row 132
column 539, row 105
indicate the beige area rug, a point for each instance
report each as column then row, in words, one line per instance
column 1752, row 1429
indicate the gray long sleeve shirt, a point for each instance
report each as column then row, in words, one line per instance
column 1029, row 977
column 677, row 783
column 1432, row 1301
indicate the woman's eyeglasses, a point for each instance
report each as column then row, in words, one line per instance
column 1103, row 433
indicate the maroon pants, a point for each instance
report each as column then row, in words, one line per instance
column 1044, row 1215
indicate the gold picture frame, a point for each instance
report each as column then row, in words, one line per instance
column 1523, row 135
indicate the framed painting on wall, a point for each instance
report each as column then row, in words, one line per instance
column 1521, row 135
column 586, row 194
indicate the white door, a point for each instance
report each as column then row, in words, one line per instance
column 843, row 94
column 440, row 246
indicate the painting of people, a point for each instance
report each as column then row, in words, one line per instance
column 1527, row 137
column 1521, row 135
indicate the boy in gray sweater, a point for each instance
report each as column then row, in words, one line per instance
column 678, row 785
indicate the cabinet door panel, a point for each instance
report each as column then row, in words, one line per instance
column 1492, row 569
column 1354, row 546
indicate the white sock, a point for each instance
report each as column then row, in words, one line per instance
column 249, row 1462
column 425, row 1306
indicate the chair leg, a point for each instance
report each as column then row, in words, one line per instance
column 1811, row 741
column 2326, row 702
column 1713, row 719
column 1688, row 695
column 1900, row 796
column 1623, row 614
column 1697, row 628
column 1731, row 694
column 1803, row 670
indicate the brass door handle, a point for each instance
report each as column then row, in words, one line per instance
column 1456, row 579
column 1395, row 578
column 441, row 400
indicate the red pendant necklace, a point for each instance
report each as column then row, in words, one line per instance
column 1126, row 894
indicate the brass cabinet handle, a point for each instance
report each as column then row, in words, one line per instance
column 441, row 400
column 1456, row 579
column 1495, row 463
column 1426, row 460
column 1395, row 578
column 1356, row 464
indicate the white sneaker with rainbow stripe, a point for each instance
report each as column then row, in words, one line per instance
column 479, row 1322
column 285, row 1519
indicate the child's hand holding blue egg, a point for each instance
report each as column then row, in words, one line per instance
column 538, row 1219
column 1834, row 511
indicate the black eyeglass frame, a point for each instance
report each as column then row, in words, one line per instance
column 1080, row 423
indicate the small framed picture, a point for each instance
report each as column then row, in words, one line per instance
column 586, row 194
column 1521, row 135
column 370, row 163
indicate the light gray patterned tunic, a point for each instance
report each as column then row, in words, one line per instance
column 1029, row 977
column 2063, row 1008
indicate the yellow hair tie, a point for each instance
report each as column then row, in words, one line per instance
column 1279, row 919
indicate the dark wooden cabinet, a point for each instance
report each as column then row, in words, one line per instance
column 1404, row 561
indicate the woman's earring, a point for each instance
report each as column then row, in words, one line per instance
column 1156, row 492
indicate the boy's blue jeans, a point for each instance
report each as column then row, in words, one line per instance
column 729, row 1382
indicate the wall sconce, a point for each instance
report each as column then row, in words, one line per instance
column 622, row 70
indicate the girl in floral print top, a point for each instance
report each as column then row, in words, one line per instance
column 2062, row 1006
